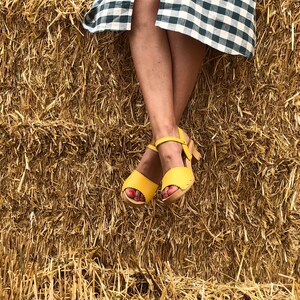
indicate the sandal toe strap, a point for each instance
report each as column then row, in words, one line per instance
column 182, row 177
column 140, row 182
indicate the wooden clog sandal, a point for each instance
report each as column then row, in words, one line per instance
column 182, row 177
column 140, row 182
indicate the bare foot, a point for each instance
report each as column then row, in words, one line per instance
column 170, row 154
column 154, row 165
column 150, row 167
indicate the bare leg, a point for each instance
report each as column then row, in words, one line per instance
column 167, row 65
column 187, row 60
column 152, row 59
column 146, row 40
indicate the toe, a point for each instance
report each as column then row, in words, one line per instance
column 165, row 193
column 130, row 193
column 135, row 194
column 169, row 190
column 172, row 189
column 139, row 196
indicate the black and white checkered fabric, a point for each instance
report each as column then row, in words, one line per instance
column 226, row 25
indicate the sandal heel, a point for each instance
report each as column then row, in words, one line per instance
column 196, row 156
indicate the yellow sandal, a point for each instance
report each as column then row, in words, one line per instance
column 140, row 182
column 182, row 177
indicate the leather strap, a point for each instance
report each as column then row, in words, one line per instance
column 152, row 147
column 168, row 139
column 180, row 140
column 138, row 181
column 182, row 177
column 185, row 148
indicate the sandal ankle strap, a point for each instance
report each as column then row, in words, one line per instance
column 168, row 139
column 185, row 147
column 180, row 140
column 152, row 147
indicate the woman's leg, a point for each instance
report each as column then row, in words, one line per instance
column 187, row 60
column 153, row 63
column 167, row 64
column 151, row 56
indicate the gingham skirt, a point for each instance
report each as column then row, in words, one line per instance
column 226, row 25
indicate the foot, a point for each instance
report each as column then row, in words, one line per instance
column 154, row 165
column 170, row 154
column 150, row 167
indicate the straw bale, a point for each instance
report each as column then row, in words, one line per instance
column 72, row 127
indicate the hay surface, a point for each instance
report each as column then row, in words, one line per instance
column 72, row 127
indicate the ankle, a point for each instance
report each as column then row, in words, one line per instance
column 164, row 131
